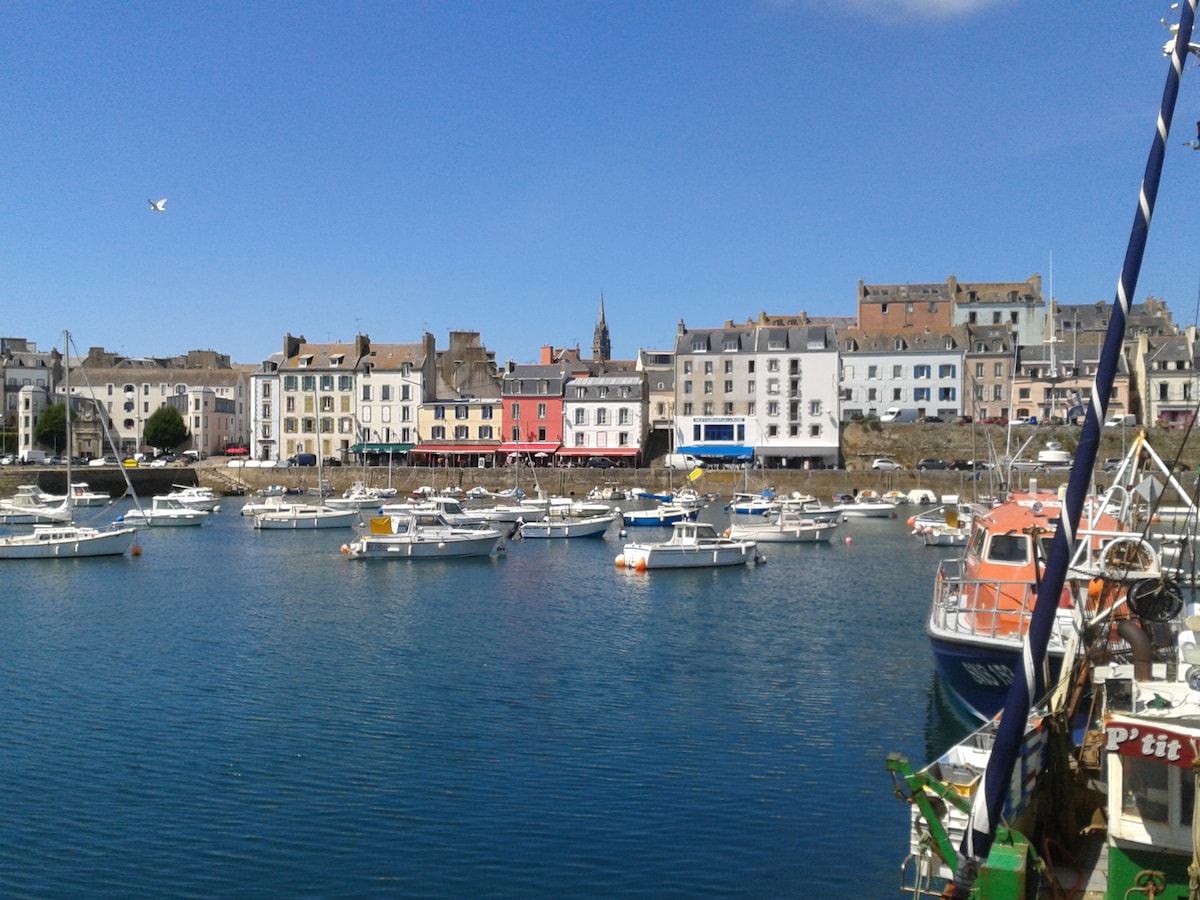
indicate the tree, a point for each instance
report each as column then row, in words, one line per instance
column 165, row 429
column 51, row 428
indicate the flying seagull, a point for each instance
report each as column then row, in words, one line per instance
column 160, row 206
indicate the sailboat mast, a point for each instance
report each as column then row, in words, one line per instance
column 988, row 803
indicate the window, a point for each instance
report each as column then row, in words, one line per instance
column 872, row 373
column 728, row 409
column 462, row 412
column 948, row 371
column 978, row 370
column 405, row 392
column 385, row 393
column 345, row 382
column 708, row 409
column 439, row 412
column 623, row 415
column 772, row 407
column 327, row 424
column 708, row 387
column 687, row 409
column 687, row 387
column 847, row 373
column 515, row 412
column 708, row 367
column 326, row 404
column 728, row 366
column 289, row 425
column 327, row 382
column 729, row 386
column 266, row 389
column 364, row 414
column 366, row 393
column 772, row 385
column 308, row 383
column 922, row 371
column 814, row 407
column 579, row 439
column 485, row 432
column 602, row 416
column 485, row 412
column 751, row 408
column 997, row 392
column 814, row 431
column 687, row 367
column 750, row 366
column 897, row 371
column 998, row 370
column 541, row 410
column 581, row 417
column 947, row 394
column 921, row 395
column 730, row 344
column 438, row 432
column 772, row 365
column 750, row 386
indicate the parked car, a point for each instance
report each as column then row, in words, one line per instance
column 969, row 465
column 886, row 465
column 932, row 419
column 1112, row 463
column 600, row 462
column 928, row 463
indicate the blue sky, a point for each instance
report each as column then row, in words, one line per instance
column 394, row 168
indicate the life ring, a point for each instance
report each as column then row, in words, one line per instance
column 1126, row 556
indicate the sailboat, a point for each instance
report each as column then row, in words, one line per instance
column 67, row 539
column 304, row 516
column 1090, row 788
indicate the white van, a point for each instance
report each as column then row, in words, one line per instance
column 896, row 414
column 681, row 461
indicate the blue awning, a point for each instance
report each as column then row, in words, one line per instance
column 717, row 451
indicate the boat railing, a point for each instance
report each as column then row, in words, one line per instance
column 982, row 608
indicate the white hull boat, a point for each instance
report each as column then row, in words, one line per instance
column 66, row 541
column 421, row 535
column 784, row 529
column 693, row 545
column 303, row 517
column 567, row 526
column 165, row 512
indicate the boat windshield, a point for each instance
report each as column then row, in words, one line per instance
column 1008, row 548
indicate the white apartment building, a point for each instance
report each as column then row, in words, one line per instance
column 605, row 415
column 758, row 390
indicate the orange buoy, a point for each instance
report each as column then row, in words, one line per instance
column 345, row 548
column 641, row 565
column 620, row 561
column 135, row 550
column 849, row 540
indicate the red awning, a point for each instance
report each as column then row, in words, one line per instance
column 531, row 447
column 236, row 451
column 455, row 448
column 599, row 451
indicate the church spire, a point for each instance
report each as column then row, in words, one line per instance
column 601, row 345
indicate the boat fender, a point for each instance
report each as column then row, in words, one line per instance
column 620, row 561
column 345, row 548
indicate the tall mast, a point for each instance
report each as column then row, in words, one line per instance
column 988, row 804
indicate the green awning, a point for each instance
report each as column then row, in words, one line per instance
column 381, row 448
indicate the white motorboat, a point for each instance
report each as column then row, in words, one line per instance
column 193, row 496
column 567, row 526
column 420, row 535
column 30, row 505
column 304, row 516
column 165, row 511
column 450, row 508
column 83, row 495
column 788, row 526
column 361, row 495
column 867, row 508
column 692, row 545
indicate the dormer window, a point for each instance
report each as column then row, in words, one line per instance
column 699, row 345
column 898, row 344
column 336, row 360
column 304, row 362
column 730, row 345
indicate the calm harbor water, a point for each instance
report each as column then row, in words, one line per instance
column 249, row 713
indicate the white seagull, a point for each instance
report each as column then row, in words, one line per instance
column 160, row 206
